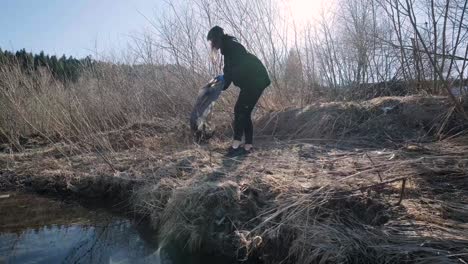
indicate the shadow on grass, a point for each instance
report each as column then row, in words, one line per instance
column 228, row 164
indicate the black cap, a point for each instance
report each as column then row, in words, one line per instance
column 215, row 33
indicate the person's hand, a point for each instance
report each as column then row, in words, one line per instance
column 219, row 78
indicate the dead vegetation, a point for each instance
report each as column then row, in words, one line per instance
column 356, row 219
column 335, row 196
column 333, row 182
column 383, row 118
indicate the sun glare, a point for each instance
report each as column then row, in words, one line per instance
column 305, row 10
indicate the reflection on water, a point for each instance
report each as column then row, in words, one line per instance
column 40, row 230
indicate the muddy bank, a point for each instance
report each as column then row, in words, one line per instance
column 103, row 188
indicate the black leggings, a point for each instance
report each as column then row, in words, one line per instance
column 246, row 102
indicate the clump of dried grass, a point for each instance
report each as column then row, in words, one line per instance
column 333, row 225
column 151, row 199
column 396, row 118
column 197, row 212
column 322, row 230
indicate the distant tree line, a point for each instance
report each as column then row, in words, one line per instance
column 66, row 69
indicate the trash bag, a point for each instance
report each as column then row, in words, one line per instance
column 201, row 128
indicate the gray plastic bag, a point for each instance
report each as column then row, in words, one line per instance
column 199, row 119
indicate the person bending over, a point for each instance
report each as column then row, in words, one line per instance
column 247, row 72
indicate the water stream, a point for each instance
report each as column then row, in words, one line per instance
column 36, row 229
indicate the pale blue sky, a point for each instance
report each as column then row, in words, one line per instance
column 72, row 27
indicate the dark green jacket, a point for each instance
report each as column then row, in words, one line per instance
column 241, row 67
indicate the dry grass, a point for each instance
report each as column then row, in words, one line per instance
column 326, row 192
column 385, row 118
column 107, row 97
column 291, row 201
column 296, row 202
column 363, row 225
